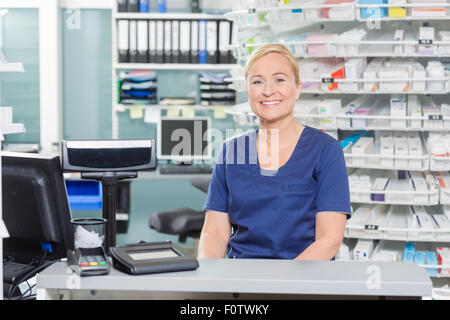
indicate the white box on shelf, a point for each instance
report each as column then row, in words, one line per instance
column 357, row 222
column 414, row 110
column 426, row 38
column 445, row 111
column 371, row 73
column 399, row 35
column 443, row 180
column 427, row 12
column 425, row 223
column 354, row 68
column 443, row 254
column 364, row 145
column 401, row 149
column 444, row 49
column 363, row 249
column 419, row 184
column 441, row 223
column 328, row 107
column 387, row 73
column 418, row 72
column 397, row 219
column 392, row 189
column 398, row 109
column 389, row 251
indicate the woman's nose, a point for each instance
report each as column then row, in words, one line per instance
column 268, row 88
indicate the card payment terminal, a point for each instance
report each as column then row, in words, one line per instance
column 152, row 257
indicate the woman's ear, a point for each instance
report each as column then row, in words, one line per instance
column 299, row 89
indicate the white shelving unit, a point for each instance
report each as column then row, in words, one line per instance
column 251, row 20
column 116, row 108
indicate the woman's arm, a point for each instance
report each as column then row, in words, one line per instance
column 215, row 235
column 330, row 228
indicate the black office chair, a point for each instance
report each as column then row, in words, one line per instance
column 184, row 222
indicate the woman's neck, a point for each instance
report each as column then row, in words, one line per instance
column 286, row 132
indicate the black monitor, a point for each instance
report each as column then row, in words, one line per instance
column 184, row 139
column 35, row 206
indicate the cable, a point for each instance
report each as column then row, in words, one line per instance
column 26, row 276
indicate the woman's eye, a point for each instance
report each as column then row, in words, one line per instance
column 256, row 82
column 280, row 80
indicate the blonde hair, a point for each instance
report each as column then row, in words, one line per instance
column 273, row 48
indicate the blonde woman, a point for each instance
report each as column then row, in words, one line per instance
column 281, row 191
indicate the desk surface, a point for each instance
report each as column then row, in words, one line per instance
column 262, row 276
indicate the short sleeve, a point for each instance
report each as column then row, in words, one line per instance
column 332, row 180
column 217, row 196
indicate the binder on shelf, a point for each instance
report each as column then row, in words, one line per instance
column 175, row 41
column 233, row 39
column 159, row 57
column 224, row 41
column 144, row 6
column 185, row 41
column 152, row 41
column 133, row 41
column 202, row 55
column 142, row 41
column 194, row 42
column 122, row 5
column 133, row 5
column 167, row 41
column 211, row 42
column 123, row 40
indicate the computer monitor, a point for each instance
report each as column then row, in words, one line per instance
column 35, row 206
column 184, row 139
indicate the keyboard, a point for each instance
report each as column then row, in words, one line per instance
column 185, row 169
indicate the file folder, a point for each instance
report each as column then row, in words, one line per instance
column 143, row 6
column 202, row 55
column 123, row 40
column 211, row 42
column 133, row 5
column 151, row 41
column 167, row 41
column 185, row 41
column 194, row 42
column 133, row 41
column 234, row 33
column 224, row 41
column 122, row 5
column 159, row 57
column 142, row 41
column 175, row 41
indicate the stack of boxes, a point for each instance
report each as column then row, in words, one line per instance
column 137, row 87
column 214, row 90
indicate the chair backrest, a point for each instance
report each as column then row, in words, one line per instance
column 201, row 183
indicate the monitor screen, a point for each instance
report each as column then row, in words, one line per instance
column 184, row 138
column 35, row 205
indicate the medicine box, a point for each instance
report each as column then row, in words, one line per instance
column 443, row 257
column 398, row 109
column 363, row 146
column 435, row 11
column 397, row 219
column 379, row 185
column 389, row 251
column 442, row 223
column 373, row 12
column 431, row 259
column 363, row 249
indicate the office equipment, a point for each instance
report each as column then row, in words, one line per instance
column 152, row 257
column 122, row 5
column 123, row 40
column 152, row 41
column 88, row 261
column 35, row 207
column 212, row 55
column 133, row 5
column 144, row 6
column 167, row 41
column 194, row 58
column 159, row 57
column 175, row 41
column 250, row 279
column 133, row 42
column 224, row 41
column 142, row 41
column 108, row 161
column 185, row 41
column 186, row 169
column 184, row 139
column 202, row 38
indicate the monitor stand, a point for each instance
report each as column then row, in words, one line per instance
column 109, row 181
column 182, row 163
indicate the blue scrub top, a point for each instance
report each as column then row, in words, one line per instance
column 273, row 213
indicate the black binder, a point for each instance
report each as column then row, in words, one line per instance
column 133, row 5
column 212, row 42
column 122, row 5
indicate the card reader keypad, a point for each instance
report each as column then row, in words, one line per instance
column 92, row 261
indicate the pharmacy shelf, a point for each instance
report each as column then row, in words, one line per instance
column 12, row 128
column 173, row 66
column 411, row 6
column 125, row 107
column 375, row 162
column 404, row 203
column 167, row 16
column 382, row 233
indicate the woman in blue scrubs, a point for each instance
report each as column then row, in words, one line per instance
column 281, row 191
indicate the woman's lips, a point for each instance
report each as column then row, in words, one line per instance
column 270, row 103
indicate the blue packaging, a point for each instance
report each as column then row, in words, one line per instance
column 373, row 12
column 408, row 257
column 419, row 258
column 162, row 6
column 431, row 258
column 84, row 194
column 144, row 6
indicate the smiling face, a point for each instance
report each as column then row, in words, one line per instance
column 272, row 88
